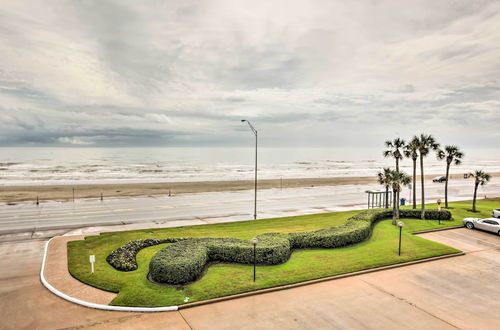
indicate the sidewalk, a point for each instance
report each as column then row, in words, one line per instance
column 57, row 274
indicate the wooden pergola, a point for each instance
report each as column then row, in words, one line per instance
column 376, row 198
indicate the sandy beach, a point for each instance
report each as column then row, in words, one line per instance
column 13, row 194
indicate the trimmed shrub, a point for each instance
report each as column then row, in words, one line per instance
column 179, row 263
column 184, row 261
column 124, row 259
column 356, row 229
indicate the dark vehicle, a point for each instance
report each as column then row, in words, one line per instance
column 439, row 179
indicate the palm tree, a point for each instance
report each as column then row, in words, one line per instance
column 426, row 143
column 481, row 179
column 384, row 178
column 452, row 154
column 398, row 180
column 411, row 151
column 395, row 150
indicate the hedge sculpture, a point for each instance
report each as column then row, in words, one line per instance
column 185, row 260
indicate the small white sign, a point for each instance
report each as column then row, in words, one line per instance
column 92, row 260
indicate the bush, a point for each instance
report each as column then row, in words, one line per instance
column 356, row 229
column 124, row 259
column 184, row 261
column 179, row 263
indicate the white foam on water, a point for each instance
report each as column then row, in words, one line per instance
column 44, row 166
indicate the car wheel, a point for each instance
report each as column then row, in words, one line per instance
column 469, row 225
column 499, row 233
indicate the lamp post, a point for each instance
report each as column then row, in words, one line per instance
column 255, row 197
column 400, row 225
column 439, row 209
column 254, row 242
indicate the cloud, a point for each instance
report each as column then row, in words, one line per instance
column 72, row 140
column 111, row 73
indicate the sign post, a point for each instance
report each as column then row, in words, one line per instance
column 92, row 261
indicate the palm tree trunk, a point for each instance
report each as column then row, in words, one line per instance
column 397, row 164
column 474, row 199
column 386, row 196
column 422, row 181
column 397, row 207
column 414, row 183
column 446, row 185
column 394, row 196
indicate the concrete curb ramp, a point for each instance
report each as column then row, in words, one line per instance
column 235, row 296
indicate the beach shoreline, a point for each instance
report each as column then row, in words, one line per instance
column 14, row 194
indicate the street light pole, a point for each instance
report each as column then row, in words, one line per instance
column 254, row 242
column 255, row 193
column 400, row 225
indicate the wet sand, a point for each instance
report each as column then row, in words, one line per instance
column 12, row 194
column 65, row 192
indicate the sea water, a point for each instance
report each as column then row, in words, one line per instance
column 36, row 166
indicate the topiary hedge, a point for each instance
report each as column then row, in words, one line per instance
column 124, row 258
column 185, row 260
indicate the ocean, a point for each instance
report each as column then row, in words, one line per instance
column 82, row 165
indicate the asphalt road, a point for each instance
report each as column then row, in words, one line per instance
column 456, row 293
column 205, row 207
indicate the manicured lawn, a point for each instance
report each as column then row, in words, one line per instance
column 224, row 279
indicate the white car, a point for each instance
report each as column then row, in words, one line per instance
column 496, row 213
column 488, row 224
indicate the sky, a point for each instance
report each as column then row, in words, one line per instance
column 305, row 73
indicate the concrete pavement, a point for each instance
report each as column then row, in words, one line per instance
column 460, row 292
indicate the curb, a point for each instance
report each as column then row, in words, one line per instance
column 436, row 229
column 92, row 305
column 318, row 280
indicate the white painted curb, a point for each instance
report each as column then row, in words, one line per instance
column 92, row 305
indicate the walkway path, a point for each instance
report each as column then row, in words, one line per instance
column 57, row 274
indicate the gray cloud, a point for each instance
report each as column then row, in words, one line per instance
column 120, row 73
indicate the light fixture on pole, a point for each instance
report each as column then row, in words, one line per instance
column 254, row 242
column 400, row 225
column 255, row 197
column 439, row 209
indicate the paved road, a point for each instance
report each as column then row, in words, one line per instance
column 456, row 293
column 203, row 207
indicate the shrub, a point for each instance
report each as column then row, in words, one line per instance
column 124, row 259
column 179, row 263
column 184, row 261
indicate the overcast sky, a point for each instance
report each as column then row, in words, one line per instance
column 305, row 73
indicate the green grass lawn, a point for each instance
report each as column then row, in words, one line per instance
column 134, row 289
